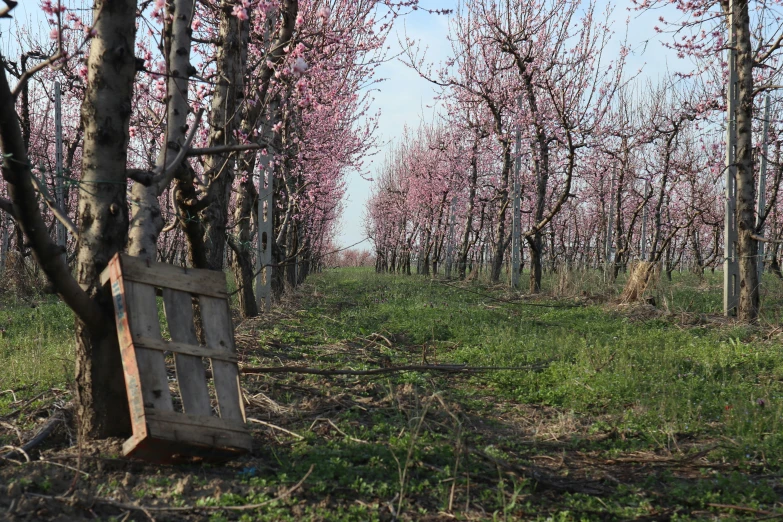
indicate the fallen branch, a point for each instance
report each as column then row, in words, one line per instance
column 542, row 478
column 740, row 508
column 41, row 436
column 13, row 394
column 333, row 425
column 275, row 427
column 23, row 406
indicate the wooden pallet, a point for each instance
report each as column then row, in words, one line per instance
column 160, row 433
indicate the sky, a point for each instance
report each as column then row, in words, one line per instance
column 405, row 98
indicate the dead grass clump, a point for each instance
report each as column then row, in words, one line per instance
column 642, row 279
column 21, row 278
column 580, row 283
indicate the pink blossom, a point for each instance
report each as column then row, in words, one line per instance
column 324, row 13
column 300, row 66
column 240, row 12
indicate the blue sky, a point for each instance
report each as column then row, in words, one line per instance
column 405, row 98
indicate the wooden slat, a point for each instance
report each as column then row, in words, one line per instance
column 211, row 431
column 219, row 336
column 194, row 434
column 207, row 421
column 196, row 350
column 129, row 365
column 191, row 376
column 190, row 280
column 143, row 315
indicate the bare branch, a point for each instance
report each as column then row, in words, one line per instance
column 7, row 206
column 59, row 213
column 768, row 87
column 774, row 47
column 145, row 177
column 16, row 171
column 9, row 5
column 29, row 73
column 222, row 149
column 163, row 176
column 765, row 240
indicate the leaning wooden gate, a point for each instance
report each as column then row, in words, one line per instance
column 163, row 429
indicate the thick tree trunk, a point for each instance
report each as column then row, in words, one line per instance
column 465, row 247
column 243, row 263
column 500, row 239
column 747, row 246
column 536, row 244
column 103, row 213
column 219, row 168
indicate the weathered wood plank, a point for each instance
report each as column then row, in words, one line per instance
column 195, row 434
column 143, row 316
column 195, row 350
column 208, row 421
column 129, row 364
column 191, row 377
column 190, row 280
column 219, row 336
column 212, row 431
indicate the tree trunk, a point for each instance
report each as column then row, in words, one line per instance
column 101, row 402
column 500, row 241
column 147, row 223
column 219, row 168
column 243, row 263
column 747, row 246
column 536, row 245
column 465, row 247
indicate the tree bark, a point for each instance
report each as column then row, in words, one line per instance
column 219, row 168
column 500, row 240
column 465, row 247
column 243, row 265
column 747, row 246
column 147, row 222
column 101, row 402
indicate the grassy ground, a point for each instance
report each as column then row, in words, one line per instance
column 618, row 412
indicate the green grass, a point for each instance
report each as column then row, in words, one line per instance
column 668, row 414
column 655, row 377
column 36, row 345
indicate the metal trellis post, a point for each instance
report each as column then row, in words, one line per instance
column 730, row 265
column 58, row 155
column 516, row 223
column 450, row 247
column 609, row 251
column 761, row 202
column 266, row 205
column 643, row 239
